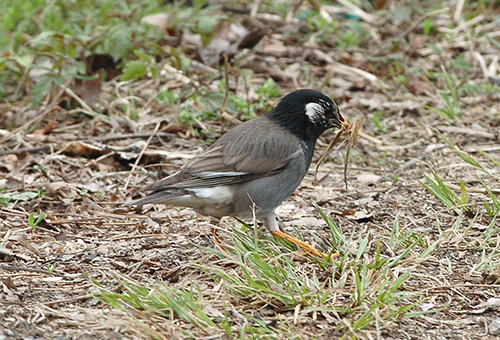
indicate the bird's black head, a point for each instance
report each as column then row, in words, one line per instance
column 307, row 114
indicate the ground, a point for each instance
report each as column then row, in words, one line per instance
column 411, row 266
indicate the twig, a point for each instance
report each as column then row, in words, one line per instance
column 458, row 11
column 462, row 26
column 133, row 135
column 330, row 147
column 140, row 155
column 24, row 269
column 76, row 298
column 154, row 91
column 226, row 92
column 345, row 166
column 482, row 64
column 369, row 138
column 230, row 118
column 335, row 66
column 470, row 132
column 98, row 139
column 27, row 150
column 352, row 131
column 352, row 9
column 78, row 99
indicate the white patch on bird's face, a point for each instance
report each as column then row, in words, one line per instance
column 315, row 112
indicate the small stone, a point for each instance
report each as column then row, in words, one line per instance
column 494, row 327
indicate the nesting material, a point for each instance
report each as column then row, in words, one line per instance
column 351, row 130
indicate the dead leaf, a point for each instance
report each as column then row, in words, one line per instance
column 8, row 294
column 252, row 38
column 418, row 86
column 9, row 163
column 159, row 20
column 213, row 312
column 491, row 303
column 89, row 90
column 360, row 216
column 368, row 177
column 83, row 149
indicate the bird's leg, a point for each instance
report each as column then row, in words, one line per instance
column 214, row 221
column 273, row 227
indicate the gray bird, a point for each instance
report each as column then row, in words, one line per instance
column 254, row 166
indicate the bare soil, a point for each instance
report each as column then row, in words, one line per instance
column 86, row 234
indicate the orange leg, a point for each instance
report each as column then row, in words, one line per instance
column 215, row 234
column 305, row 246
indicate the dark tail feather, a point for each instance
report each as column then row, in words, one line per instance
column 154, row 198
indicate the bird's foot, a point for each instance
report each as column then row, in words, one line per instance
column 304, row 245
column 215, row 234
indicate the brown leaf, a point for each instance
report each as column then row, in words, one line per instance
column 159, row 20
column 418, row 86
column 84, row 150
column 89, row 90
column 252, row 38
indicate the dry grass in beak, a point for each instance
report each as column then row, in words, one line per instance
column 352, row 135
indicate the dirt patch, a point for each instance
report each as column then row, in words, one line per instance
column 79, row 172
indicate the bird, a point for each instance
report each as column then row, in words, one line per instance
column 251, row 169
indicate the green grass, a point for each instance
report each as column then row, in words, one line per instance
column 449, row 95
column 460, row 202
column 33, row 37
column 34, row 223
column 486, row 240
column 9, row 198
column 436, row 186
column 363, row 289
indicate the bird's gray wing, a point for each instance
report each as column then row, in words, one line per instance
column 237, row 156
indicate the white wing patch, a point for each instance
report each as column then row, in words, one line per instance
column 213, row 174
column 315, row 112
